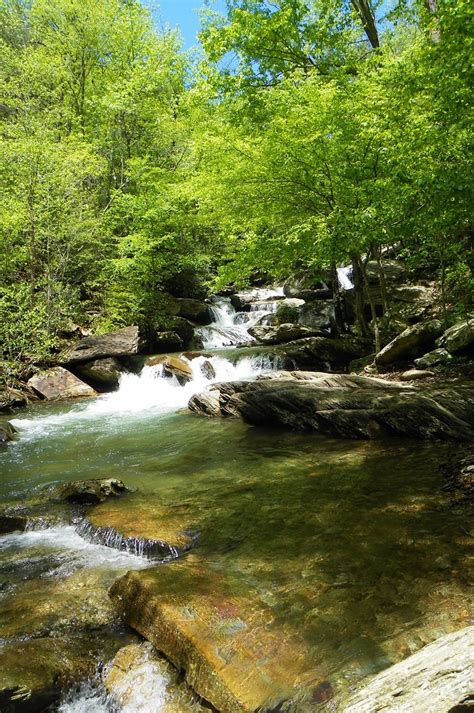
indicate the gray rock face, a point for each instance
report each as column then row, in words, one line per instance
column 412, row 342
column 348, row 406
column 317, row 315
column 103, row 373
column 58, row 383
column 437, row 679
column 123, row 342
column 437, row 356
column 168, row 342
column 458, row 338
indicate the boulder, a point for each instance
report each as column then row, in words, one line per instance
column 459, row 338
column 11, row 398
column 59, row 383
column 280, row 334
column 412, row 342
column 95, row 490
column 206, row 402
column 7, row 432
column 194, row 310
column 439, row 677
column 123, row 342
column 103, row 373
column 414, row 374
column 322, row 353
column 393, row 271
column 437, row 356
column 349, row 406
column 168, row 342
column 306, row 287
column 317, row 315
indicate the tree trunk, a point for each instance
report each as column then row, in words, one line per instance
column 367, row 17
column 359, row 295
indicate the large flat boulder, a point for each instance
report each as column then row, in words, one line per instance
column 228, row 643
column 103, row 373
column 412, row 342
column 438, row 678
column 123, row 342
column 322, row 353
column 348, row 406
column 59, row 383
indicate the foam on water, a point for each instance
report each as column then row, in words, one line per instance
column 80, row 553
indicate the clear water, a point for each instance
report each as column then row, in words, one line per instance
column 350, row 543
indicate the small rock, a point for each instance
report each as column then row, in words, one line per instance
column 208, row 370
column 88, row 491
column 7, row 432
column 413, row 374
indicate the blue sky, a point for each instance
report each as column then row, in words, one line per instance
column 183, row 14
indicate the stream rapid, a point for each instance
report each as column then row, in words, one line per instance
column 351, row 543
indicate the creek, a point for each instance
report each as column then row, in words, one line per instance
column 350, row 544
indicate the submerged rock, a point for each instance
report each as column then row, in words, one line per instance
column 123, row 342
column 95, row 490
column 141, row 680
column 36, row 672
column 222, row 636
column 438, row 678
column 410, row 343
column 59, row 383
column 349, row 406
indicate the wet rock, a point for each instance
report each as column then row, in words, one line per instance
column 317, row 315
column 123, row 342
column 280, row 334
column 208, row 370
column 414, row 374
column 221, row 635
column 141, row 680
column 433, row 358
column 412, row 342
column 352, row 406
column 168, row 342
column 36, row 672
column 459, row 338
column 173, row 366
column 206, row 403
column 7, row 432
column 59, row 383
column 438, row 678
column 194, row 310
column 92, row 491
column 11, row 522
column 103, row 373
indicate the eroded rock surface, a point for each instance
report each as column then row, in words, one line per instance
column 458, row 338
column 347, row 405
column 438, row 678
column 94, row 490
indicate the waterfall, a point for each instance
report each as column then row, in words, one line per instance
column 344, row 275
column 231, row 328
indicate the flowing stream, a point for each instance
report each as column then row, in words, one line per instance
column 352, row 544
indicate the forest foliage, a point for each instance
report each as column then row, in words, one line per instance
column 308, row 134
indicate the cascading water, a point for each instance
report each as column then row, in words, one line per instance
column 231, row 328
